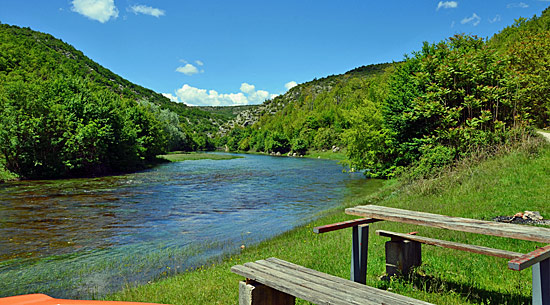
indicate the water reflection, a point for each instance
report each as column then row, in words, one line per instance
column 178, row 213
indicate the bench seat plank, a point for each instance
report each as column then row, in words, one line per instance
column 352, row 288
column 452, row 245
column 530, row 233
column 282, row 284
column 290, row 277
column 314, row 286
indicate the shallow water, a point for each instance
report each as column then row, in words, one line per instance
column 82, row 238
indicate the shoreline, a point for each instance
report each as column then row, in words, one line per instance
column 326, row 155
column 445, row 277
column 7, row 176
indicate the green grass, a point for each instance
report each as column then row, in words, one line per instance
column 178, row 156
column 5, row 175
column 503, row 185
column 328, row 154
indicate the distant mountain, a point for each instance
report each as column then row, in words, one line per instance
column 267, row 111
column 312, row 115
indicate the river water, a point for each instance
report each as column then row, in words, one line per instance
column 83, row 238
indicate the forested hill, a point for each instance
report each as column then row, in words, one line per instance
column 311, row 116
column 29, row 54
column 62, row 114
column 444, row 102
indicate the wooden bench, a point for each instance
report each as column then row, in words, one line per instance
column 274, row 281
column 403, row 251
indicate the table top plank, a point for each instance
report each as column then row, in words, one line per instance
column 527, row 260
column 493, row 228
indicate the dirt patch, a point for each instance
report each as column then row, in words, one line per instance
column 546, row 135
column 519, row 220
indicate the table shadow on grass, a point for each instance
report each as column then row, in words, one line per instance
column 437, row 285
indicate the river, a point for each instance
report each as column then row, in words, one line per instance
column 83, row 238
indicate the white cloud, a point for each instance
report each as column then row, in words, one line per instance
column 517, row 5
column 248, row 88
column 188, row 69
column 290, row 85
column 147, row 10
column 199, row 63
column 202, row 97
column 100, row 10
column 474, row 20
column 495, row 19
column 447, row 4
column 171, row 97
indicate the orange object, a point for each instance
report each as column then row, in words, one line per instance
column 42, row 299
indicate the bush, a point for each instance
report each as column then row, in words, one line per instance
column 66, row 127
column 325, row 138
column 456, row 93
column 277, row 142
column 299, row 145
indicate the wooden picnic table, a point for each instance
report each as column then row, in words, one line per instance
column 404, row 249
column 493, row 228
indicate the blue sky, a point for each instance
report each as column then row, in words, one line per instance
column 205, row 52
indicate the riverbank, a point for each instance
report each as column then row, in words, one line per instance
column 502, row 185
column 177, row 156
column 188, row 156
column 312, row 154
column 88, row 237
column 6, row 175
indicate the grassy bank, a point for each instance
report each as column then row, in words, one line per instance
column 180, row 156
column 327, row 154
column 5, row 175
column 503, row 185
column 313, row 154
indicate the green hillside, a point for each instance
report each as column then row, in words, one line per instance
column 313, row 115
column 442, row 103
column 65, row 115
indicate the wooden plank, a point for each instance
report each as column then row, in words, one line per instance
column 289, row 277
column 315, row 286
column 357, row 290
column 452, row 245
column 343, row 225
column 335, row 288
column 286, row 286
column 492, row 228
column 527, row 260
